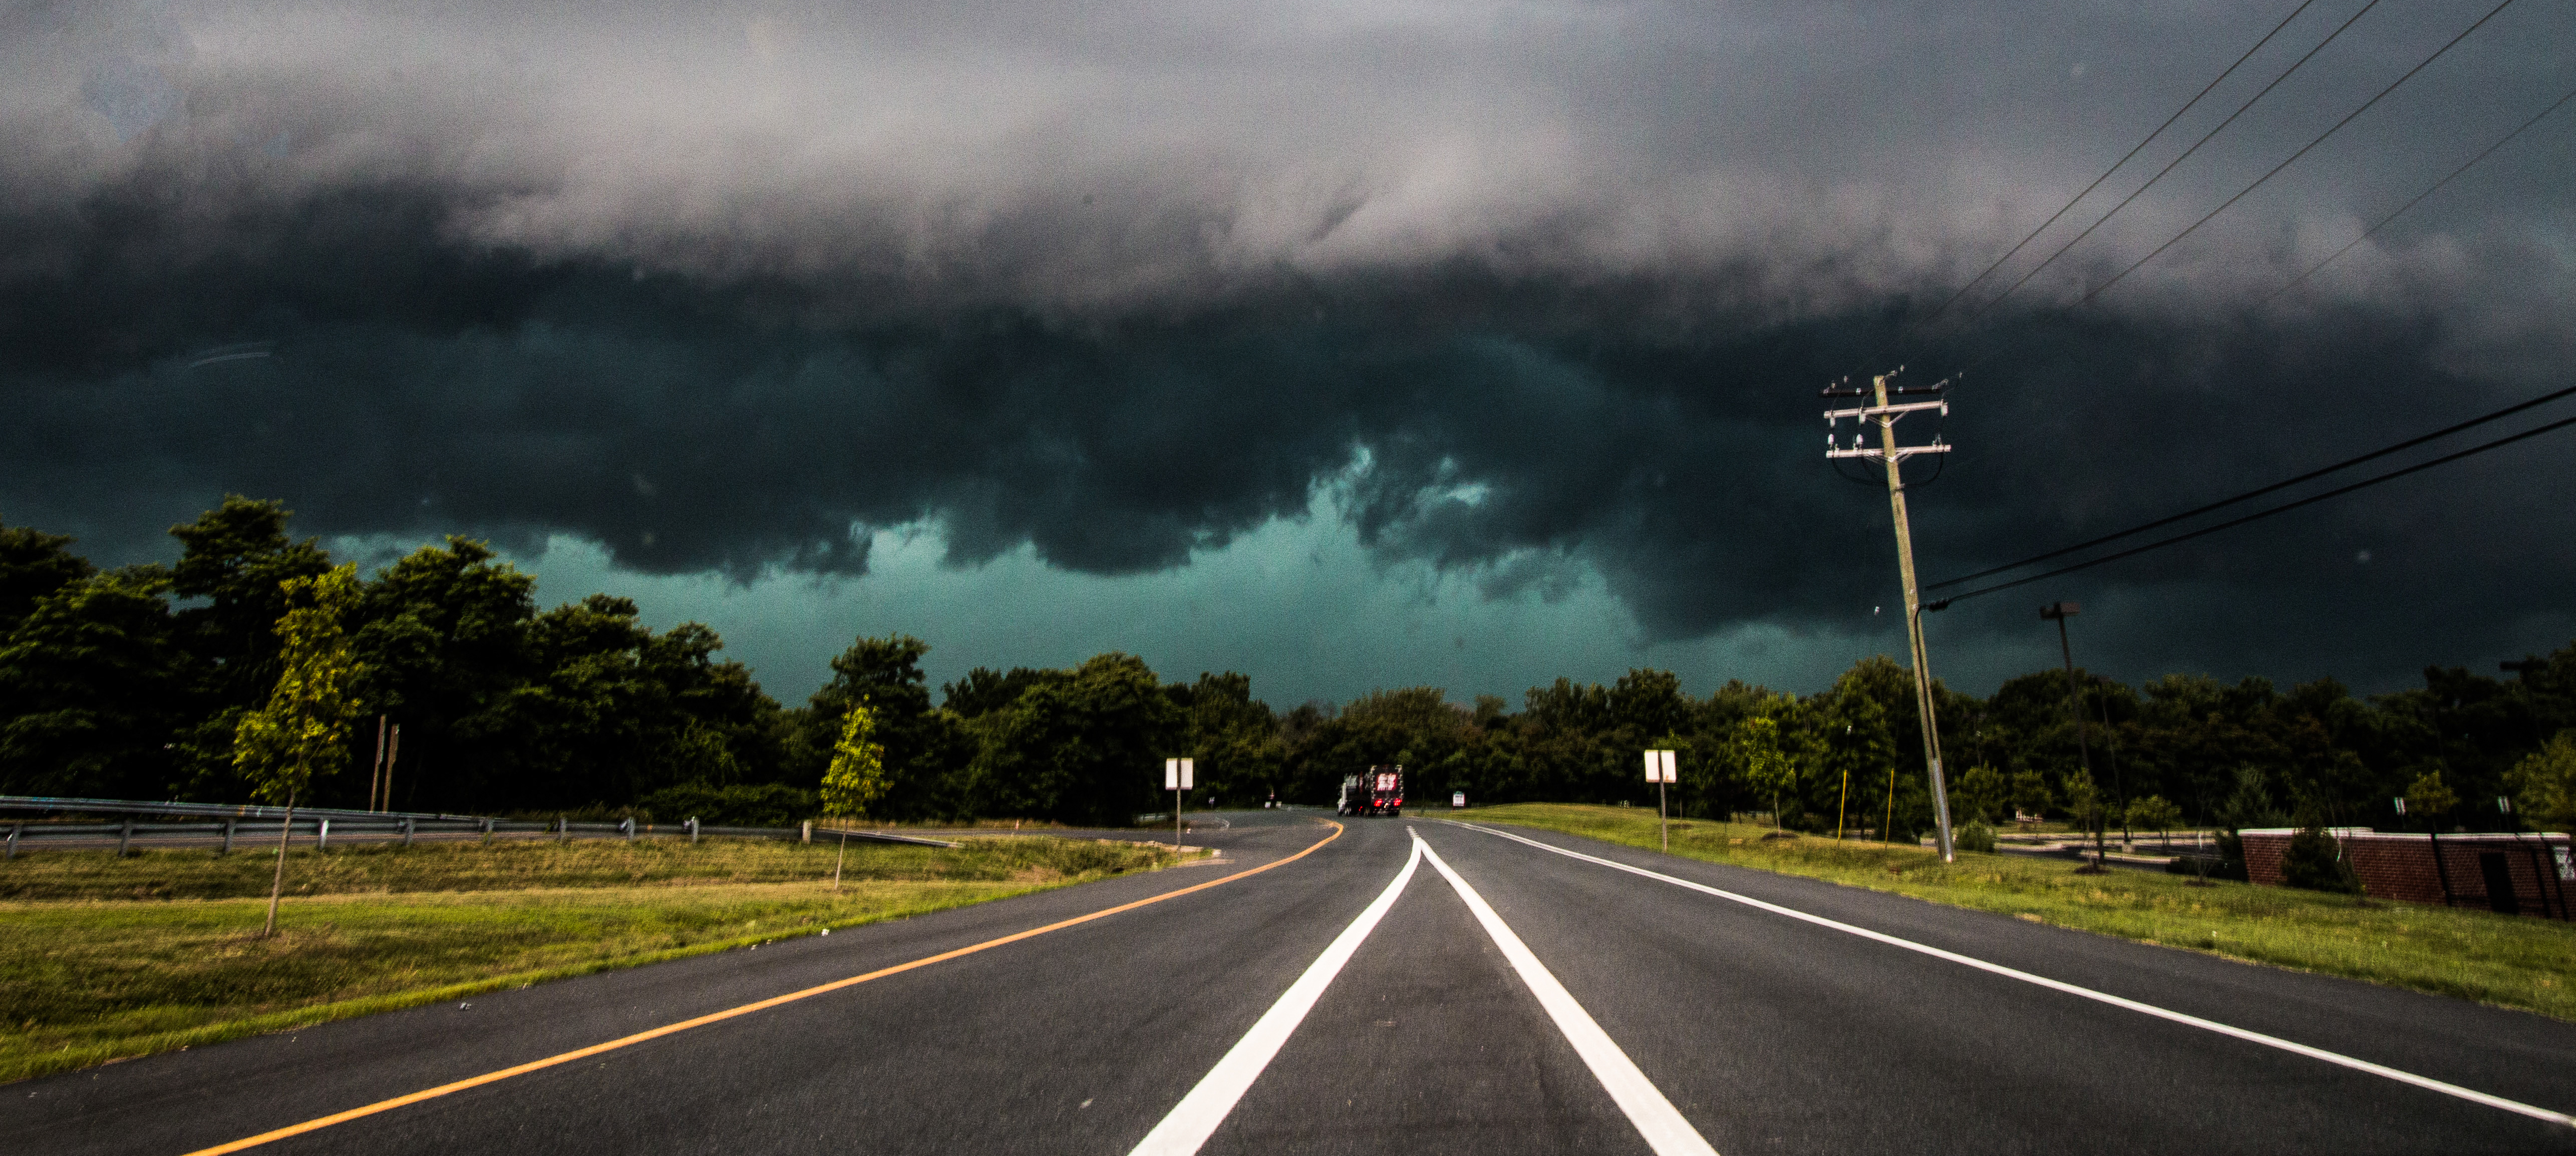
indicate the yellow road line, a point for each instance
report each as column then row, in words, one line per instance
column 318, row 1123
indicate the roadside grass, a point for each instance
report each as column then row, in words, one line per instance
column 2511, row 961
column 106, row 965
column 386, row 868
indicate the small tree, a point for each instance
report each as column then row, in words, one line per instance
column 1982, row 792
column 2030, row 794
column 1768, row 769
column 302, row 733
column 2153, row 813
column 2315, row 861
column 2427, row 796
column 2544, row 784
column 856, row 779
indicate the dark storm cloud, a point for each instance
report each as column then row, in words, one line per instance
column 1530, row 290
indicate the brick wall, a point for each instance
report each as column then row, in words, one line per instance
column 2404, row 867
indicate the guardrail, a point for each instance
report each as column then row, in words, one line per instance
column 320, row 828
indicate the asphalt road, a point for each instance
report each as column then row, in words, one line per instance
column 1762, row 1031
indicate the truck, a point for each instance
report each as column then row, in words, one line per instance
column 1379, row 791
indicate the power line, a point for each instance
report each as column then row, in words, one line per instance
column 2096, row 291
column 2186, row 155
column 2250, row 495
column 2373, row 231
column 2124, row 159
column 2284, row 508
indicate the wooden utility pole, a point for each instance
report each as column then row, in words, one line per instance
column 1885, row 414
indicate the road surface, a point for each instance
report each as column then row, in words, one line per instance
column 1315, row 1007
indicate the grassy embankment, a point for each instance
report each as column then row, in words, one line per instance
column 2507, row 960
column 102, row 958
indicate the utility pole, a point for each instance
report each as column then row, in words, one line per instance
column 1893, row 457
column 2059, row 612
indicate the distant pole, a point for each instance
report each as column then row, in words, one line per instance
column 1888, row 832
column 1843, row 808
column 392, row 753
column 2059, row 612
column 1892, row 456
column 376, row 770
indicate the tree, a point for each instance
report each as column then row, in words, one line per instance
column 234, row 561
column 1981, row 793
column 2315, row 862
column 303, row 731
column 33, row 565
column 93, row 685
column 2544, row 784
column 2029, row 794
column 1084, row 750
column 856, row 778
column 1768, row 767
column 2427, row 796
column 2154, row 813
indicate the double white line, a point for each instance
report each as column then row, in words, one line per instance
column 1198, row 1114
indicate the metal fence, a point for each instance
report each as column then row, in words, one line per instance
column 221, row 827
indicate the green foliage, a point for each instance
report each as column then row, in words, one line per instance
column 2154, row 813
column 34, row 565
column 302, row 732
column 1975, row 836
column 2314, row 862
column 94, row 683
column 1768, row 765
column 1085, row 750
column 2029, row 793
column 1981, row 793
column 856, row 779
column 2428, row 798
column 733, row 805
column 2544, row 784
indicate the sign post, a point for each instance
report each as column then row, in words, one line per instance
column 1659, row 771
column 1177, row 779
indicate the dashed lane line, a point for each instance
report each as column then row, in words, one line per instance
column 1656, row 1119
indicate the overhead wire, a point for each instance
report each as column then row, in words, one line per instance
column 2024, row 279
column 2436, row 187
column 2097, row 290
column 2259, row 515
column 2275, row 487
column 2125, row 158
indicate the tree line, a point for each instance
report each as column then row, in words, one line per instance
column 134, row 683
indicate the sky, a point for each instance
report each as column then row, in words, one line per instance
column 1344, row 345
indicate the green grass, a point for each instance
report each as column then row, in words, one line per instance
column 2511, row 961
column 102, row 959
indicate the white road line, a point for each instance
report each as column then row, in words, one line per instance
column 2359, row 1065
column 1655, row 1117
column 1195, row 1118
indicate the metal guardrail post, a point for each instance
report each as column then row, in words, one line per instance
column 13, row 839
column 626, row 827
column 124, row 836
column 693, row 832
column 228, row 837
column 563, row 828
column 487, row 831
column 321, row 834
column 406, row 830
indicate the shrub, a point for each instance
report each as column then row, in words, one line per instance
column 2315, row 862
column 738, row 805
column 1976, row 836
